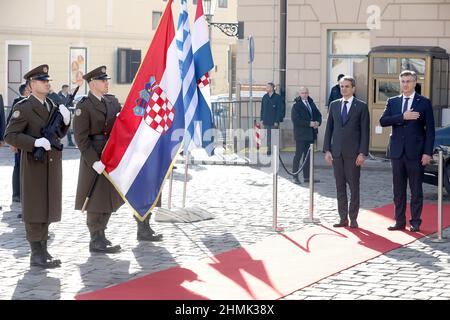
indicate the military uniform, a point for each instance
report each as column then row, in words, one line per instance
column 41, row 182
column 93, row 121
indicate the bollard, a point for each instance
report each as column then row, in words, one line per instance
column 311, row 218
column 439, row 236
column 169, row 201
column 275, row 189
column 186, row 166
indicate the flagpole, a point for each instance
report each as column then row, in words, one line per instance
column 169, row 203
column 186, row 167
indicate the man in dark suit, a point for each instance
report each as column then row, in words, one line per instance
column 410, row 147
column 306, row 119
column 271, row 113
column 335, row 92
column 345, row 144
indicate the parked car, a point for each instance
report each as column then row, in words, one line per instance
column 441, row 142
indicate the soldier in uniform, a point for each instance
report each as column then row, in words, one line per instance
column 41, row 181
column 94, row 119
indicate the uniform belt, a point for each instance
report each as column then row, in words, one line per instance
column 99, row 137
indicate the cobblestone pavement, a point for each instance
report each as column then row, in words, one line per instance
column 240, row 198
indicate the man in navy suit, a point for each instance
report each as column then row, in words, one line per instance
column 410, row 147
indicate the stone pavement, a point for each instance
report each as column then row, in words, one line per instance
column 240, row 198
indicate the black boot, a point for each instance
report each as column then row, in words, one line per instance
column 106, row 241
column 145, row 232
column 38, row 256
column 48, row 256
column 98, row 245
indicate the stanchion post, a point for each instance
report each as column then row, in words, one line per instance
column 275, row 189
column 439, row 236
column 311, row 218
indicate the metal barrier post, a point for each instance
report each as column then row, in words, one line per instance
column 275, row 189
column 439, row 236
column 311, row 218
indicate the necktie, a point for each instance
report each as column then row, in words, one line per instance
column 309, row 107
column 405, row 105
column 46, row 106
column 344, row 114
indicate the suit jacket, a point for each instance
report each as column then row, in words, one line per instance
column 352, row 137
column 334, row 94
column 271, row 109
column 301, row 119
column 414, row 137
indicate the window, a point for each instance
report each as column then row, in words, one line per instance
column 156, row 15
column 128, row 62
column 347, row 54
column 387, row 89
column 385, row 65
column 223, row 3
column 416, row 65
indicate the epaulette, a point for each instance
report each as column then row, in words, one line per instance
column 82, row 99
column 21, row 101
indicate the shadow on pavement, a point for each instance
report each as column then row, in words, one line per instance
column 36, row 285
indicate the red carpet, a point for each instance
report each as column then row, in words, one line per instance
column 277, row 265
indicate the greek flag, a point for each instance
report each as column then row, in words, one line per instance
column 192, row 137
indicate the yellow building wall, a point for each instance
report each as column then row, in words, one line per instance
column 102, row 26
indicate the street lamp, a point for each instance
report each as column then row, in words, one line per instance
column 228, row 28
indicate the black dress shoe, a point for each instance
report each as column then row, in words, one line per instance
column 396, row 227
column 353, row 224
column 414, row 229
column 341, row 224
column 315, row 180
column 296, row 181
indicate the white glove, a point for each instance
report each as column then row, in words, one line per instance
column 65, row 113
column 99, row 167
column 44, row 143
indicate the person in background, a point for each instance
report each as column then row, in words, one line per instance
column 24, row 91
column 306, row 119
column 335, row 92
column 64, row 97
column 271, row 113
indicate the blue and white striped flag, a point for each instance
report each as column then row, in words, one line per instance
column 192, row 137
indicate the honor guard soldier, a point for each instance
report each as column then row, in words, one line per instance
column 94, row 119
column 41, row 167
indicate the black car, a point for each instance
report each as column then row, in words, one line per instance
column 441, row 142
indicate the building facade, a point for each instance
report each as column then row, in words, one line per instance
column 329, row 37
column 75, row 36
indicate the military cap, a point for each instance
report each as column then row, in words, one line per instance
column 38, row 73
column 97, row 74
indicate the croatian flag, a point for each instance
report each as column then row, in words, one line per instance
column 187, row 70
column 147, row 135
column 203, row 62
